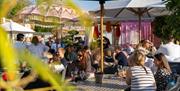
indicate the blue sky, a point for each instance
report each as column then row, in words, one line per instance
column 87, row 5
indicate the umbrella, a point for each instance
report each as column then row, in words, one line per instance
column 14, row 27
column 133, row 10
column 55, row 12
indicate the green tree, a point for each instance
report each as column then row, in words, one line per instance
column 169, row 25
column 18, row 7
column 69, row 39
column 42, row 29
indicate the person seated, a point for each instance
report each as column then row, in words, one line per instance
column 149, row 50
column 109, row 64
column 71, row 57
column 122, row 58
column 96, row 59
column 56, row 65
column 117, row 50
column 138, row 76
column 61, row 52
column 81, row 63
column 163, row 72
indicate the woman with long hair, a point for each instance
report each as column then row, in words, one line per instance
column 163, row 71
column 138, row 76
column 82, row 62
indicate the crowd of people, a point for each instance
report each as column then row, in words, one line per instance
column 147, row 68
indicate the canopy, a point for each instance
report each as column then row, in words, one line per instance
column 53, row 13
column 132, row 4
column 132, row 9
column 15, row 27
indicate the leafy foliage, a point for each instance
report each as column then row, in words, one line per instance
column 41, row 29
column 19, row 6
column 169, row 25
column 174, row 6
column 73, row 32
column 69, row 39
column 5, row 6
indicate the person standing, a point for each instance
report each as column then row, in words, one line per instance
column 56, row 45
column 170, row 50
column 19, row 43
column 172, row 53
column 37, row 48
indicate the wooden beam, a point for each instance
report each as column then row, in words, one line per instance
column 133, row 10
column 118, row 12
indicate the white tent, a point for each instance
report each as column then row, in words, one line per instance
column 132, row 3
column 14, row 27
column 116, row 11
column 132, row 10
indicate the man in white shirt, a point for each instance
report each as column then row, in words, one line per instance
column 171, row 50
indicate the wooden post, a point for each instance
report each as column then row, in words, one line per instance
column 139, row 26
column 101, row 25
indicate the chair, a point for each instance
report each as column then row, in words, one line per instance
column 177, row 86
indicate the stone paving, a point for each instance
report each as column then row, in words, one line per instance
column 109, row 84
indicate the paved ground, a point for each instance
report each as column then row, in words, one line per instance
column 109, row 84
